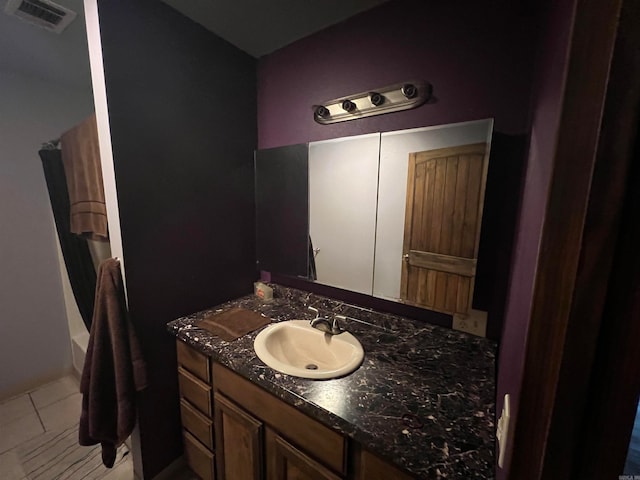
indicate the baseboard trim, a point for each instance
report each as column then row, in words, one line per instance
column 34, row 383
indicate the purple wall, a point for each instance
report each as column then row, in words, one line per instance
column 480, row 58
column 477, row 55
column 546, row 109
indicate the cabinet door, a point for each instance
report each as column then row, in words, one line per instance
column 374, row 468
column 238, row 442
column 286, row 462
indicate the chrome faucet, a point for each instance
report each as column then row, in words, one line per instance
column 325, row 325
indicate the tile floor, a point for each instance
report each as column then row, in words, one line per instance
column 30, row 420
column 38, row 439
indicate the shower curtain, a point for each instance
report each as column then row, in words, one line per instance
column 75, row 250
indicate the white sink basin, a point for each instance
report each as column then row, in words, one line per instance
column 298, row 349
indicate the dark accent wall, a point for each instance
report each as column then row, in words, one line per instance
column 477, row 55
column 499, row 220
column 282, row 209
column 182, row 111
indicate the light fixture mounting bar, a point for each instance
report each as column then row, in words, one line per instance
column 393, row 98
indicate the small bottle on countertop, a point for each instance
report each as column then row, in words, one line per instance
column 264, row 292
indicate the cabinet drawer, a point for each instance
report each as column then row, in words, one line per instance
column 317, row 440
column 196, row 423
column 199, row 459
column 196, row 391
column 193, row 361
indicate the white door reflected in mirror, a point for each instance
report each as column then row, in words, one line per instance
column 343, row 182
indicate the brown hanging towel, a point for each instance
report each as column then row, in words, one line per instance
column 114, row 369
column 81, row 158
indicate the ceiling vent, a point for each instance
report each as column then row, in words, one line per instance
column 43, row 13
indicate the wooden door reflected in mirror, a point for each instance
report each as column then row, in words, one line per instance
column 443, row 215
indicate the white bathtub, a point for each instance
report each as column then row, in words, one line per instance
column 79, row 344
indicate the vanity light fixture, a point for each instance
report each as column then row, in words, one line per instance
column 409, row 90
column 393, row 98
column 376, row 99
column 348, row 106
column 322, row 112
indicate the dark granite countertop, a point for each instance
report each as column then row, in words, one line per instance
column 423, row 399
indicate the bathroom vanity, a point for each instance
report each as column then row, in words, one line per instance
column 420, row 406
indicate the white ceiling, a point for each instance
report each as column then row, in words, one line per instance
column 34, row 51
column 256, row 26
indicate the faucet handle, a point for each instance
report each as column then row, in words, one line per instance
column 315, row 310
column 335, row 325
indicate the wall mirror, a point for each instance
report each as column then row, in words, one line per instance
column 395, row 215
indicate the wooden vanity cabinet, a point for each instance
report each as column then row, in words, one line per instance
column 372, row 467
column 199, row 458
column 194, row 361
column 286, row 462
column 246, row 433
column 293, row 445
column 196, row 410
column 239, row 439
column 198, row 424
